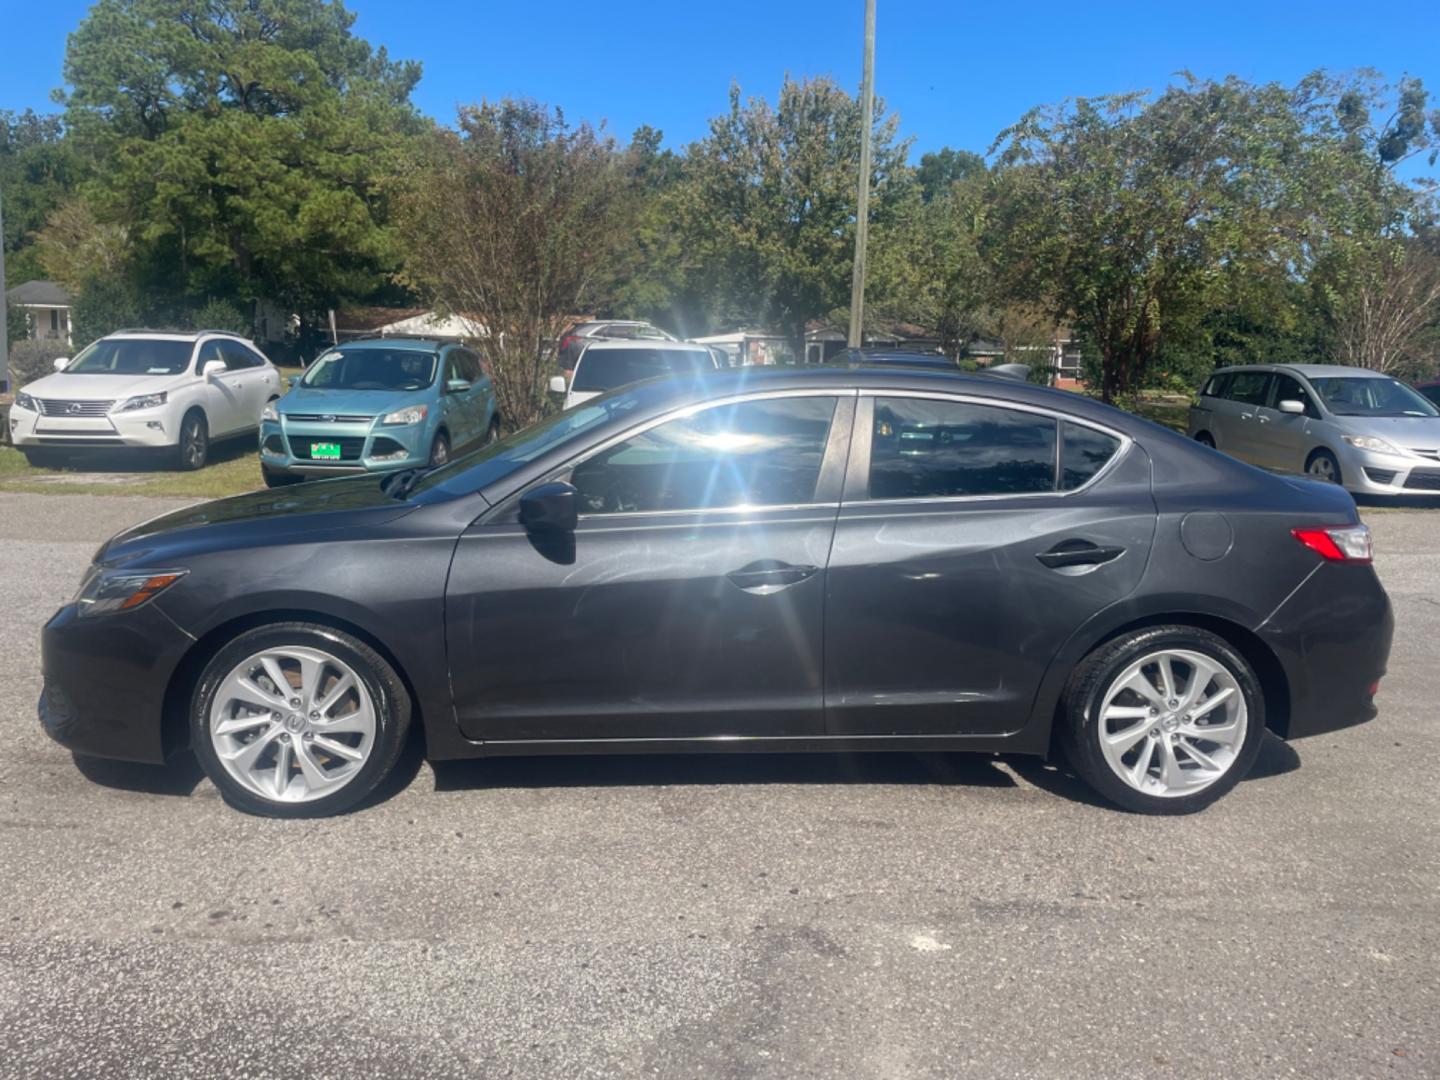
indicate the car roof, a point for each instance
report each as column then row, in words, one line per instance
column 174, row 335
column 428, row 345
column 645, row 343
column 1310, row 371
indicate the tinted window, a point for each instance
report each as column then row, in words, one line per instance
column 1371, row 396
column 1431, row 392
column 237, row 356
column 1288, row 388
column 1249, row 387
column 371, row 369
column 752, row 453
column 605, row 369
column 927, row 449
column 1217, row 386
column 1083, row 453
column 132, row 356
column 469, row 365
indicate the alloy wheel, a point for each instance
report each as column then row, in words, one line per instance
column 1172, row 722
column 292, row 724
column 1322, row 467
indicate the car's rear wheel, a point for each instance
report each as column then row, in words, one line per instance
column 192, row 449
column 1323, row 466
column 492, row 433
column 1163, row 720
column 440, row 450
column 298, row 720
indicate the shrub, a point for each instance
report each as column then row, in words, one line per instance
column 31, row 360
column 220, row 315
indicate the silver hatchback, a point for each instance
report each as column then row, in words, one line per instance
column 1355, row 427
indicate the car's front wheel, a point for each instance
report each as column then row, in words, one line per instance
column 1163, row 720
column 439, row 450
column 192, row 449
column 275, row 479
column 1323, row 466
column 298, row 720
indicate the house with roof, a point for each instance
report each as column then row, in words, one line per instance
column 47, row 309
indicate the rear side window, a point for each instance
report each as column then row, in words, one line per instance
column 1249, row 387
column 1084, row 452
column 1217, row 386
column 750, row 453
column 924, row 449
column 605, row 369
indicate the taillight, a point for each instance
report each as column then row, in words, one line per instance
column 1341, row 543
column 567, row 341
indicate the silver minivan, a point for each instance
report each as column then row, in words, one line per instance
column 1355, row 427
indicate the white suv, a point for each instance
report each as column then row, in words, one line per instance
column 142, row 388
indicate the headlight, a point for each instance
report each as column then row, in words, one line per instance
column 270, row 412
column 413, row 414
column 25, row 401
column 106, row 591
column 1371, row 443
column 143, row 401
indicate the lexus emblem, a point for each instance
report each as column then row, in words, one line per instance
column 74, row 408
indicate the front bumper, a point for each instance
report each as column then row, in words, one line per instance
column 1332, row 637
column 106, row 680
column 285, row 447
column 150, row 428
column 1364, row 472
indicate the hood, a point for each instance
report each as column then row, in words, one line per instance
column 306, row 399
column 100, row 387
column 1403, row 431
column 279, row 514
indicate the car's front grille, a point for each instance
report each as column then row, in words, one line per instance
column 1380, row 476
column 1433, row 453
column 351, row 446
column 66, row 407
column 1423, row 480
column 326, row 418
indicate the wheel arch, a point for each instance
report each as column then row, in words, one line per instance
column 175, row 720
column 1274, row 683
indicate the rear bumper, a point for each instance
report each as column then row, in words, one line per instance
column 106, row 679
column 1332, row 637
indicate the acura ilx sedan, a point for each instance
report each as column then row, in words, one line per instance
column 823, row 559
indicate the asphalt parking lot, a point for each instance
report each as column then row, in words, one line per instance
column 891, row 916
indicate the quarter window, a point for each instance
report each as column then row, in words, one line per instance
column 933, row 449
column 750, row 453
column 1084, row 452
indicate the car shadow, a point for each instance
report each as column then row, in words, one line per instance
column 1401, row 502
column 673, row 770
column 178, row 776
column 130, row 459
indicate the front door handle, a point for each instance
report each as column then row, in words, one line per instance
column 769, row 576
column 1078, row 553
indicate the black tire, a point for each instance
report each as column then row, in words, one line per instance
column 1319, row 463
column 492, row 433
column 1080, row 731
column 387, row 692
column 440, row 450
column 1204, row 438
column 277, row 480
column 192, row 447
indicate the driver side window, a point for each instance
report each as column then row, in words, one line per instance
column 749, row 453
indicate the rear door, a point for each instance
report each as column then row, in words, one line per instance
column 1246, row 394
column 253, row 379
column 974, row 538
column 689, row 601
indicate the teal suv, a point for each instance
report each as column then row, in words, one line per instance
column 373, row 405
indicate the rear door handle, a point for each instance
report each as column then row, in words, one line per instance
column 1078, row 553
column 768, row 576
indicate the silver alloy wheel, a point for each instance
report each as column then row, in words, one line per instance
column 192, row 445
column 1322, row 467
column 1172, row 723
column 292, row 724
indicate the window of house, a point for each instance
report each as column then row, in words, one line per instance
column 764, row 452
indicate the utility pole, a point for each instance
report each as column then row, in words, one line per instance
column 862, row 203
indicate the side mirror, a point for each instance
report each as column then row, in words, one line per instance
column 457, row 386
column 213, row 369
column 1292, row 407
column 60, row 362
column 550, row 508
column 557, row 384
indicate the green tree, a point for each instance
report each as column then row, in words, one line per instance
column 246, row 143
column 941, row 169
column 38, row 171
column 768, row 208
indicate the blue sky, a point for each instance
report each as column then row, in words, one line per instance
column 957, row 73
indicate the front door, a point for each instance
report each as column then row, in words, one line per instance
column 1281, row 439
column 221, row 395
column 964, row 559
column 688, row 602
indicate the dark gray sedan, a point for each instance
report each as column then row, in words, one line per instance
column 824, row 559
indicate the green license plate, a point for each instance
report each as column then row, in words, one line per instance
column 325, row 451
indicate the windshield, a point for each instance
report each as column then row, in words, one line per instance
column 1371, row 396
column 371, row 369
column 132, row 356
column 605, row 369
